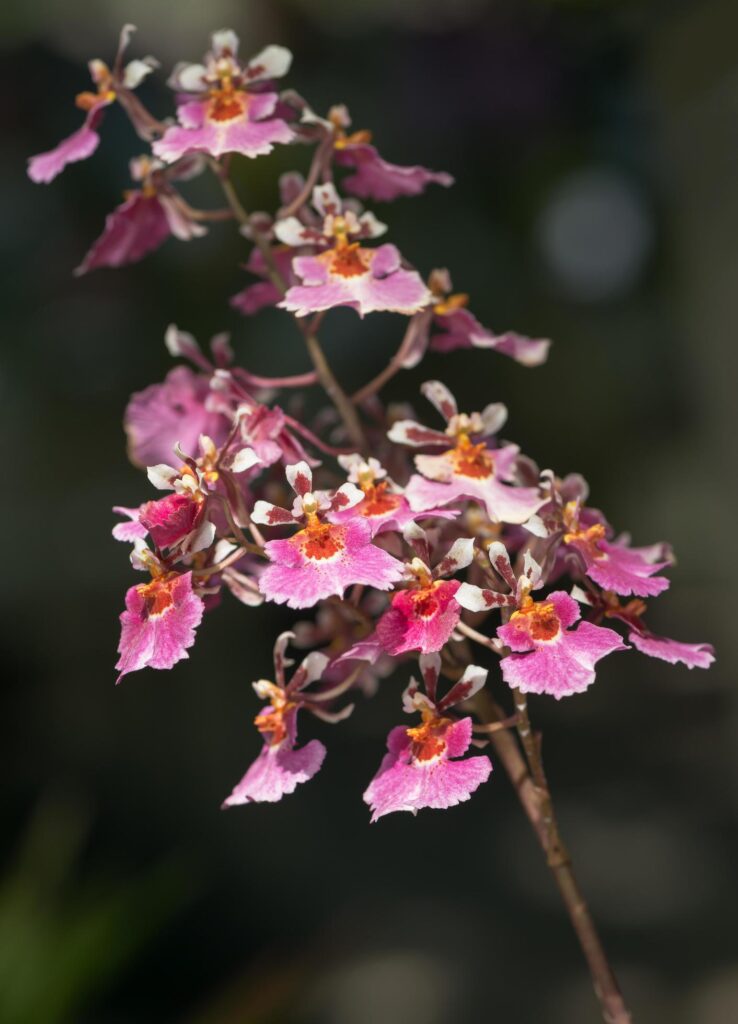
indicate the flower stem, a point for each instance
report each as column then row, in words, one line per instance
column 535, row 797
column 335, row 392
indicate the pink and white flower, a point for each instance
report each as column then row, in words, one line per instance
column 145, row 220
column 110, row 85
column 550, row 657
column 421, row 768
column 374, row 177
column 384, row 506
column 281, row 766
column 614, row 565
column 159, row 623
column 344, row 272
column 322, row 558
column 448, row 325
column 467, row 468
column 423, row 616
column 232, row 106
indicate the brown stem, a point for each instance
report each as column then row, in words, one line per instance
column 336, row 393
column 535, row 798
column 377, row 383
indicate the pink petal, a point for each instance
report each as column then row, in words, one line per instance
column 624, row 570
column 276, row 772
column 132, row 230
column 78, row 146
column 673, row 651
column 173, row 411
column 377, row 179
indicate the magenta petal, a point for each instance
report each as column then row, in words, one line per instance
column 375, row 178
column 461, row 329
column 402, row 628
column 256, row 297
column 503, row 503
column 170, row 519
column 80, row 145
column 197, row 133
column 132, row 230
column 673, row 651
column 174, row 411
column 625, row 570
column 276, row 772
column 131, row 530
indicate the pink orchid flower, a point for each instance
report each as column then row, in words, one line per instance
column 467, row 468
column 281, row 765
column 230, row 106
column 322, row 558
column 159, row 622
column 422, row 766
column 614, row 565
column 344, row 272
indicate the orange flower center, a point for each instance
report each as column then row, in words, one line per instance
column 157, row 595
column 87, row 100
column 355, row 138
column 428, row 738
column 451, row 303
column 271, row 723
column 589, row 538
column 471, row 459
column 539, row 619
column 348, row 259
column 226, row 103
column 633, row 609
column 425, row 603
column 320, row 540
column 378, row 500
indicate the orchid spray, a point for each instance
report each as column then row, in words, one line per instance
column 437, row 544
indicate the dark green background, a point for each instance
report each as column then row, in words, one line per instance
column 127, row 896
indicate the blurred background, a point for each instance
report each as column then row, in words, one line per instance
column 596, row 155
